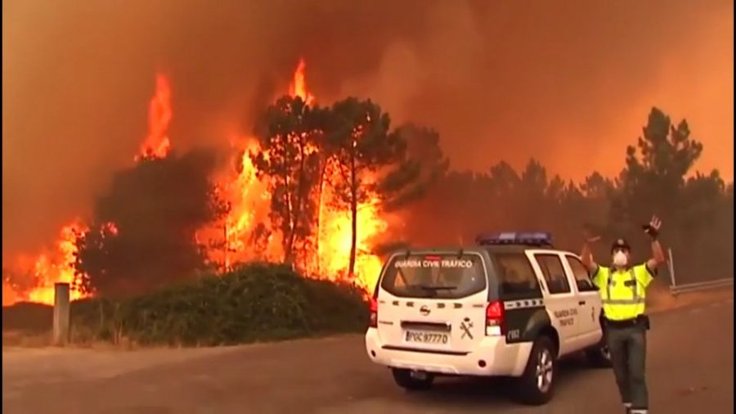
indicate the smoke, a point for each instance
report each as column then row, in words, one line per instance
column 569, row 84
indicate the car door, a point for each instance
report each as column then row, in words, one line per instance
column 588, row 300
column 560, row 299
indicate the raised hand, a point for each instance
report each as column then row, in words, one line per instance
column 593, row 239
column 588, row 235
column 652, row 229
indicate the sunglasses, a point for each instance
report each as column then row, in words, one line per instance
column 620, row 249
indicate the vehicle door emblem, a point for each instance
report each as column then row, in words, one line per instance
column 424, row 310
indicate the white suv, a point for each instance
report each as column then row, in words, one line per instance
column 511, row 306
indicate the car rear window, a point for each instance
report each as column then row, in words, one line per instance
column 516, row 276
column 446, row 276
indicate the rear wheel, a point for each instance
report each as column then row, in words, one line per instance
column 412, row 380
column 536, row 385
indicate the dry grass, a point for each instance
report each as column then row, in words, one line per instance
column 26, row 339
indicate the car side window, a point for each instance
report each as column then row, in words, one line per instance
column 516, row 275
column 582, row 279
column 554, row 273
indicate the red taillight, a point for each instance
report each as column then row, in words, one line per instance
column 494, row 319
column 373, row 321
column 494, row 310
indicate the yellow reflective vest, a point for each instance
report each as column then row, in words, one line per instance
column 623, row 292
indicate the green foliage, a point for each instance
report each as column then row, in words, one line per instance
column 156, row 207
column 255, row 302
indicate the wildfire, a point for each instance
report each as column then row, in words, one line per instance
column 298, row 86
column 56, row 265
column 39, row 274
column 331, row 253
column 157, row 142
column 245, row 234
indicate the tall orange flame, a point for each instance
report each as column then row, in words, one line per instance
column 298, row 85
column 54, row 265
column 157, row 142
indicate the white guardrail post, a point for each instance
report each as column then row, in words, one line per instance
column 671, row 265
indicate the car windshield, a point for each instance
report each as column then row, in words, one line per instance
column 447, row 276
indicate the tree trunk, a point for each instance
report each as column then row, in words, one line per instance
column 354, row 215
column 320, row 192
column 300, row 196
column 226, row 252
column 287, row 242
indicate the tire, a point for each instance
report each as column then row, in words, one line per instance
column 412, row 380
column 536, row 386
column 599, row 356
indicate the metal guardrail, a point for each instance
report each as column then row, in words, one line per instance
column 694, row 287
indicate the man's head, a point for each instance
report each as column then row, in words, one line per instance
column 620, row 253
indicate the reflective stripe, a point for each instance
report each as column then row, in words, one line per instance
column 523, row 304
column 636, row 301
column 638, row 411
column 609, row 282
column 636, row 282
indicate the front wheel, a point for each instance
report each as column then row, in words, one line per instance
column 536, row 386
column 412, row 380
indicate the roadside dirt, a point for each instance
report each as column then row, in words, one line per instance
column 659, row 298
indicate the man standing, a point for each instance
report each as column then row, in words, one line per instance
column 623, row 291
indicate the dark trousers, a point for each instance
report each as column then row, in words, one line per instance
column 628, row 347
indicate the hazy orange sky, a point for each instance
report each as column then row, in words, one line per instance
column 568, row 83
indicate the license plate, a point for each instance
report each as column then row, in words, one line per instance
column 426, row 337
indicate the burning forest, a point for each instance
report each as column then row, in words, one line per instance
column 309, row 189
column 328, row 188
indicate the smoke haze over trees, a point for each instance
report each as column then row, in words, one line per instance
column 657, row 178
column 154, row 241
column 499, row 81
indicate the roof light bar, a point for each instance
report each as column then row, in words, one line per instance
column 535, row 238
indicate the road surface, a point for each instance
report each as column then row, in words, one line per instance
column 690, row 370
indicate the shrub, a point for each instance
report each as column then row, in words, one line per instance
column 27, row 317
column 255, row 302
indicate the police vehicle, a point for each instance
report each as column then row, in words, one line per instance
column 509, row 306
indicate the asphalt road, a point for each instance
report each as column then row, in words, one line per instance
column 690, row 369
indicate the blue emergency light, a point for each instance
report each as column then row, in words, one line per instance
column 532, row 238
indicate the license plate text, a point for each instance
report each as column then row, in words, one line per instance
column 426, row 337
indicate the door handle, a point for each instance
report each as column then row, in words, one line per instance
column 582, row 302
